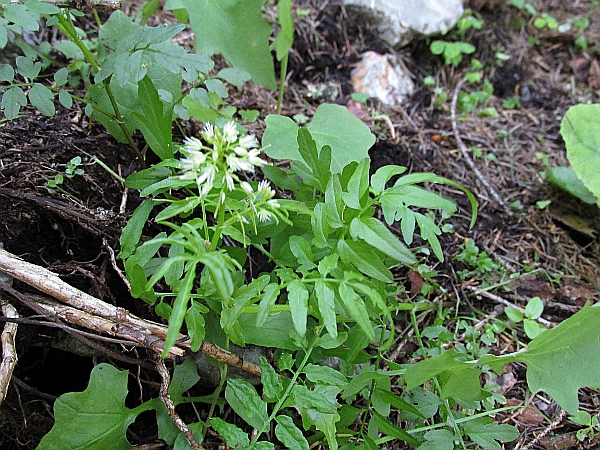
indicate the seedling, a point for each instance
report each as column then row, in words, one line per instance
column 533, row 311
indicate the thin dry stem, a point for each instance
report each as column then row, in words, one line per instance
column 9, row 352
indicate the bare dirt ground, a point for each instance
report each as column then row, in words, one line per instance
column 553, row 250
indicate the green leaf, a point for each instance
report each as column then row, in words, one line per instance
column 42, row 7
column 7, row 73
column 398, row 402
column 580, row 130
column 302, row 251
column 285, row 39
column 65, row 99
column 233, row 435
column 361, row 381
column 312, row 400
column 27, row 68
column 566, row 179
column 513, row 314
column 383, row 175
column 438, row 440
column 235, row 76
column 268, row 299
column 179, row 309
column 298, row 301
column 534, row 308
column 153, row 122
column 332, row 125
column 358, row 186
column 130, row 236
column 21, row 16
column 194, row 322
column 485, row 432
column 326, row 301
column 392, row 430
column 272, row 385
column 12, row 101
column 289, row 434
column 95, row 419
column 42, row 98
column 325, row 375
column 355, row 307
column 245, row 401
column 237, row 30
column 362, row 257
column 61, row 76
column 376, row 234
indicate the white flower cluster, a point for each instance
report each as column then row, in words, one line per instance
column 262, row 201
column 224, row 153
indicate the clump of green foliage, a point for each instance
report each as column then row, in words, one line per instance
column 334, row 235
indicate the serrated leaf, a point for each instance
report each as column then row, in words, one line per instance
column 272, row 385
column 375, row 233
column 289, row 434
column 236, row 29
column 42, row 98
column 302, row 251
column 298, row 301
column 234, row 436
column 95, row 419
column 580, row 130
column 312, row 399
column 438, row 440
column 325, row 375
column 246, row 402
column 326, row 302
column 486, row 433
column 12, row 101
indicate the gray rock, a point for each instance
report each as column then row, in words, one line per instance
column 398, row 21
column 382, row 77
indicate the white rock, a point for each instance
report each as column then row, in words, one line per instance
column 398, row 21
column 382, row 77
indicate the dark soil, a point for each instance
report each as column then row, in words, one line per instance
column 74, row 235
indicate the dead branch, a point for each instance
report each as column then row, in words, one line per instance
column 9, row 352
column 80, row 4
column 166, row 399
column 91, row 313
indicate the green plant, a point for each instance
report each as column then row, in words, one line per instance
column 481, row 265
column 72, row 168
column 452, row 51
column 533, row 311
column 590, row 423
column 580, row 129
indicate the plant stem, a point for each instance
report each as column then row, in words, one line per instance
column 282, row 74
column 217, row 392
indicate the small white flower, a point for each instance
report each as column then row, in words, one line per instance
column 247, row 187
column 273, row 204
column 239, row 164
column 248, row 141
column 263, row 215
column 255, row 159
column 230, row 133
column 229, row 181
column 265, row 189
column 209, row 131
column 192, row 144
column 241, row 151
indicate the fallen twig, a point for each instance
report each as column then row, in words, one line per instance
column 9, row 352
column 465, row 151
column 91, row 313
column 166, row 399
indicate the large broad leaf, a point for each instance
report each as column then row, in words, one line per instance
column 96, row 418
column 333, row 125
column 559, row 361
column 580, row 130
column 566, row 178
column 236, row 29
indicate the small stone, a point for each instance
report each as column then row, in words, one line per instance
column 398, row 21
column 381, row 77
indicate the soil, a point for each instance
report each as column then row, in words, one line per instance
column 554, row 249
